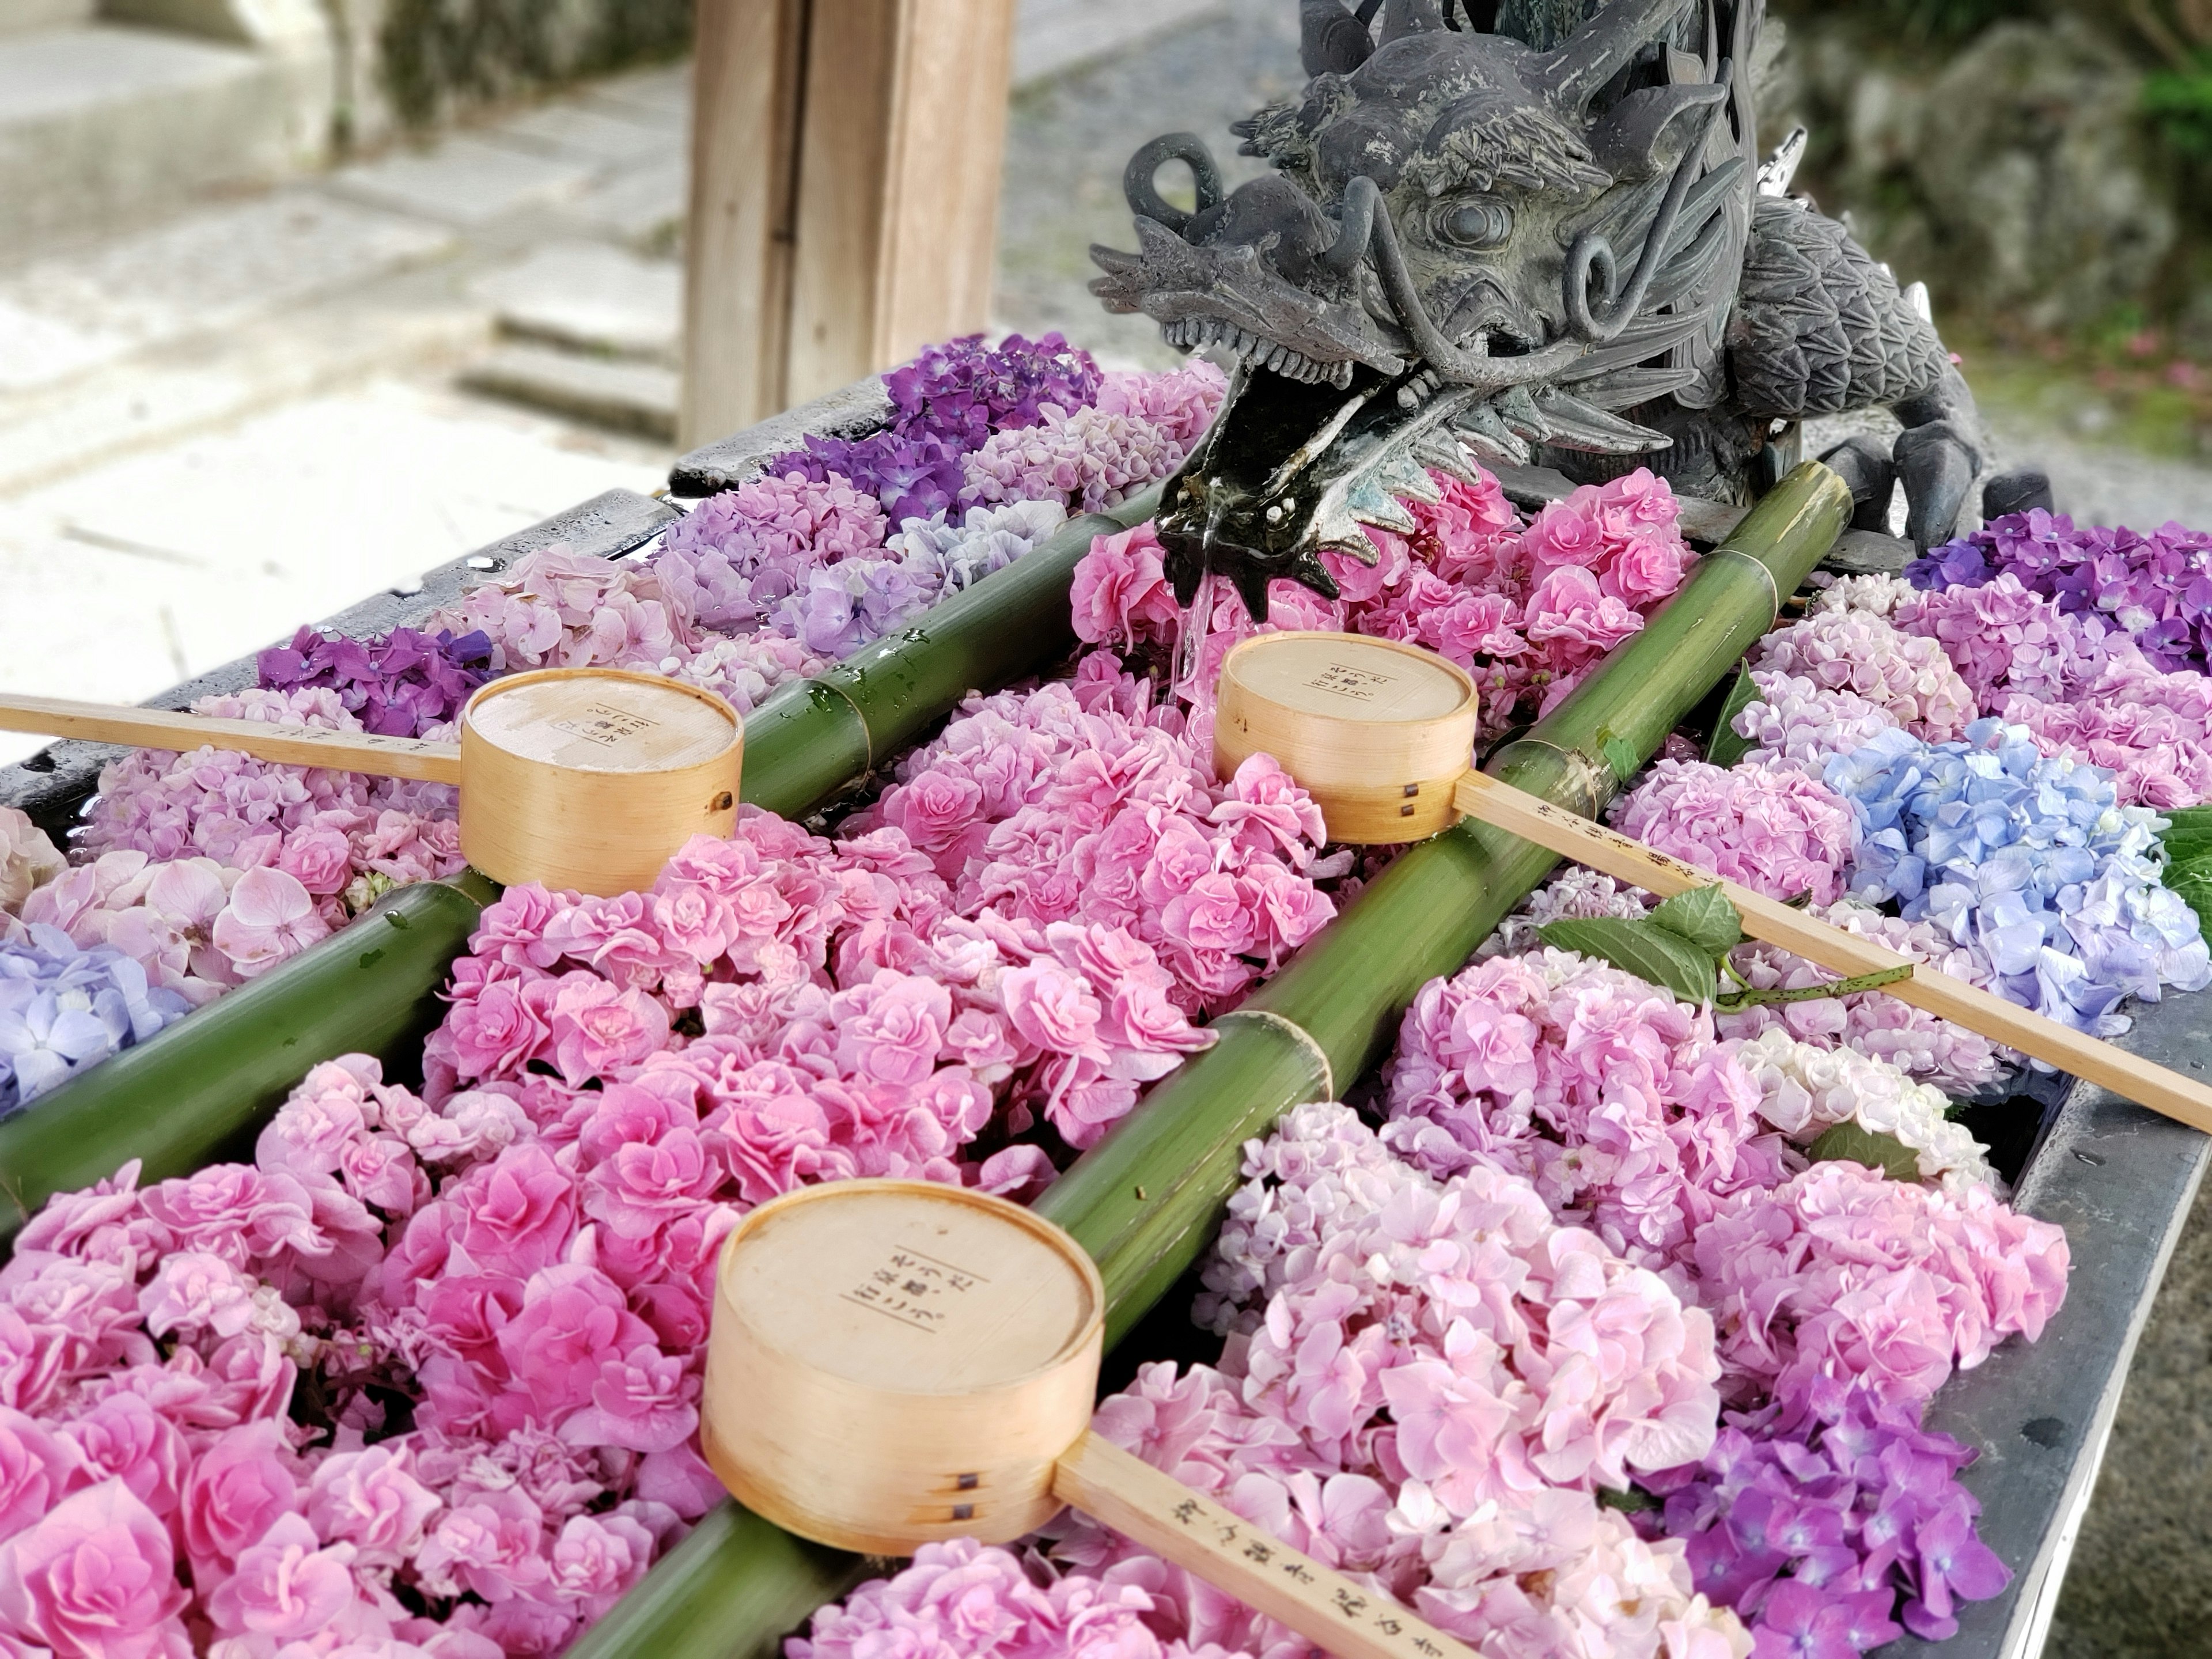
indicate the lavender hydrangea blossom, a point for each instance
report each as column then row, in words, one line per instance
column 946, row 403
column 1812, row 1535
column 63, row 1009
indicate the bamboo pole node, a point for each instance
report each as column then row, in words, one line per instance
column 1758, row 564
column 1297, row 1033
column 894, row 1362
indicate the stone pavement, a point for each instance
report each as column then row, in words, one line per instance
column 219, row 425
column 216, row 428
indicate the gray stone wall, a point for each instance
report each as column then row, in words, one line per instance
column 408, row 64
column 2014, row 169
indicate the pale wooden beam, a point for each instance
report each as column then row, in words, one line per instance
column 746, row 77
column 845, row 193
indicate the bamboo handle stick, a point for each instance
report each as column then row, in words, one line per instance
column 1574, row 837
column 291, row 746
column 1249, row 1563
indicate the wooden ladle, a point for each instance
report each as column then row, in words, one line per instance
column 586, row 778
column 895, row 1362
column 1367, row 725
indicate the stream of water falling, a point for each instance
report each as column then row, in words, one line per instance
column 1197, row 617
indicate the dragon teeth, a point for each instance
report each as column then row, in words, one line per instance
column 1441, row 451
column 1192, row 333
column 1372, row 504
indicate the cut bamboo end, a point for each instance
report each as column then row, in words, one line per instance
column 893, row 1362
column 1377, row 732
column 590, row 778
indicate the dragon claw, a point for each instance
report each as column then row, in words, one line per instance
column 1937, row 464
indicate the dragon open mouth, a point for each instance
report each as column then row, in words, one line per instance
column 1467, row 179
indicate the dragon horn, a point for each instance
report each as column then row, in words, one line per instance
column 1403, row 17
column 1604, row 46
column 1331, row 40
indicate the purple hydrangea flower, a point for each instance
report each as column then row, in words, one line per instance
column 397, row 684
column 1814, row 1535
column 2158, row 586
column 947, row 402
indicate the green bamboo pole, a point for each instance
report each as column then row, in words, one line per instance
column 183, row 1097
column 173, row 1102
column 1148, row 1200
column 810, row 741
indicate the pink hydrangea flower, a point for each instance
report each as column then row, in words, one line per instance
column 96, row 1578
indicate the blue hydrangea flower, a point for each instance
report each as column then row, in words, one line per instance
column 64, row 1008
column 2028, row 861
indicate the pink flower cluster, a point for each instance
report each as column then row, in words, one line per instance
column 2004, row 639
column 28, row 860
column 1528, row 606
column 962, row 1600
column 1797, row 724
column 1618, row 1103
column 521, row 1259
column 1842, row 649
column 1081, row 803
column 345, row 838
column 1180, row 403
column 1135, row 434
column 1428, row 1385
column 1842, row 1274
column 195, row 927
column 157, row 1497
column 854, row 1021
column 558, row 609
column 736, row 556
column 1777, row 832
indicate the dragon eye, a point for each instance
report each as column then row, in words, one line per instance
column 1485, row 222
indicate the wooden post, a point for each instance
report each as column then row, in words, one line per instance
column 844, row 193
column 737, row 237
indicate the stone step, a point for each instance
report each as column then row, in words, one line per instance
column 206, row 275
column 26, row 16
column 589, row 297
column 622, row 397
column 103, row 124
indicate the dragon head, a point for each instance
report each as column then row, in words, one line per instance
column 1469, row 240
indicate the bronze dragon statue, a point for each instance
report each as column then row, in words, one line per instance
column 1531, row 231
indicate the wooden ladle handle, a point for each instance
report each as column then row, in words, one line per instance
column 292, row 745
column 1247, row 1561
column 1571, row 836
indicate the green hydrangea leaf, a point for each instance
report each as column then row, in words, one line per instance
column 1726, row 748
column 1620, row 755
column 1705, row 917
column 2193, row 885
column 2188, row 846
column 1634, row 1501
column 1642, row 948
column 1848, row 1142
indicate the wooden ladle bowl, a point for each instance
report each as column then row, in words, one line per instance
column 1377, row 732
column 585, row 778
column 892, row 1362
